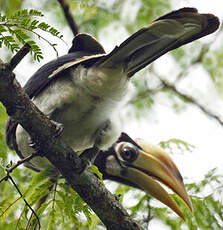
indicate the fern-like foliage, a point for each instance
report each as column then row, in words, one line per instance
column 16, row 30
column 173, row 143
column 56, row 204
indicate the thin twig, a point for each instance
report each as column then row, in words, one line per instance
column 10, row 21
column 39, row 36
column 17, row 223
column 54, row 193
column 32, row 31
column 13, row 182
column 10, row 206
column 70, row 19
column 149, row 216
column 192, row 100
column 39, row 204
column 186, row 97
column 18, row 57
column 26, row 159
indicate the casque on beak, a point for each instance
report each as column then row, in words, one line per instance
column 145, row 166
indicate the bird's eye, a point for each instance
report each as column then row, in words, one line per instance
column 128, row 152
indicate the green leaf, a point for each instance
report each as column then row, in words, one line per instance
column 180, row 144
column 94, row 169
column 19, row 26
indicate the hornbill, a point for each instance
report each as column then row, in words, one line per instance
column 141, row 164
column 83, row 90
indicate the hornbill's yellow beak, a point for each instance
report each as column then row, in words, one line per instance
column 145, row 166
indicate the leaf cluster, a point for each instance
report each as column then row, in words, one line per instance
column 16, row 30
column 174, row 143
column 213, row 63
column 55, row 203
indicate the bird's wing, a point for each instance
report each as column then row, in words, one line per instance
column 164, row 34
column 85, row 49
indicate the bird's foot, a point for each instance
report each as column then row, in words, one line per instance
column 59, row 128
column 88, row 157
column 35, row 147
column 33, row 144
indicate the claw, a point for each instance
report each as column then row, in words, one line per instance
column 32, row 144
column 59, row 128
column 88, row 157
column 35, row 146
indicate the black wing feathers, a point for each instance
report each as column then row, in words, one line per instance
column 82, row 45
column 41, row 78
column 164, row 34
column 210, row 22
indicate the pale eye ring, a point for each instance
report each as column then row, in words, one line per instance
column 128, row 153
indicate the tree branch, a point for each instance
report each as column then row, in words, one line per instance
column 70, row 19
column 18, row 57
column 43, row 132
column 188, row 98
column 33, row 212
column 26, row 159
column 192, row 100
column 173, row 87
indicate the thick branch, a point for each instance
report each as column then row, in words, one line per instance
column 44, row 133
column 73, row 25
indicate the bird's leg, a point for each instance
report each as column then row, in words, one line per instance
column 89, row 155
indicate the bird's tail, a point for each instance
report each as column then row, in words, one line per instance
column 164, row 34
